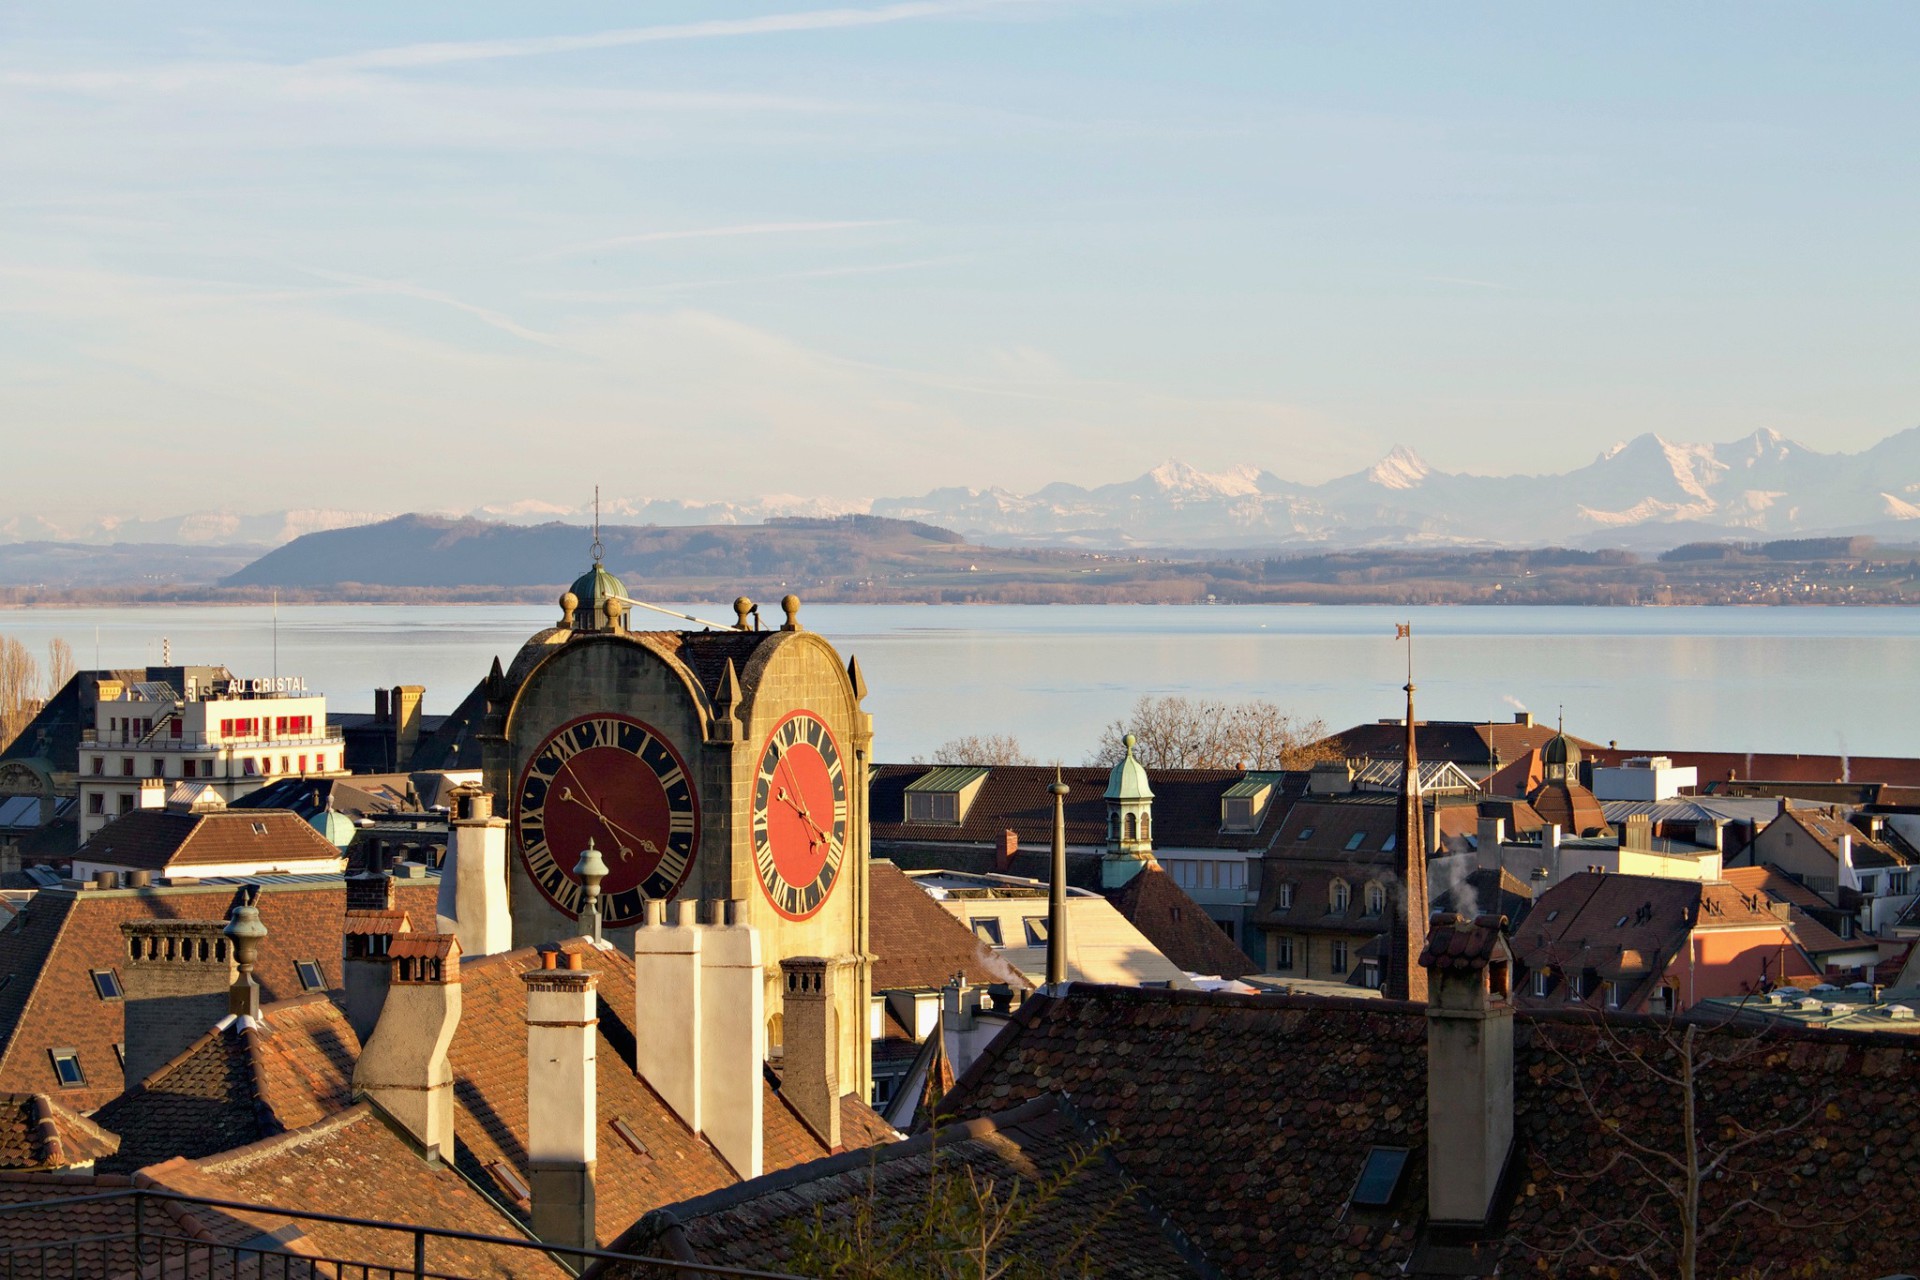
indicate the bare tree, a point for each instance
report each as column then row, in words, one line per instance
column 20, row 697
column 1177, row 732
column 975, row 748
column 1658, row 1194
column 60, row 665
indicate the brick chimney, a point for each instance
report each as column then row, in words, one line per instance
column 403, row 1065
column 473, row 879
column 1003, row 853
column 810, row 1058
column 406, row 703
column 1469, row 1066
column 703, row 991
column 562, row 1097
column 365, row 944
column 176, row 985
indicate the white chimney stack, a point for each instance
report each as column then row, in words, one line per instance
column 1849, row 878
column 473, row 879
column 1492, row 834
column 701, row 992
column 403, row 1066
column 562, row 1097
column 810, row 1058
column 1550, row 836
column 1469, row 1067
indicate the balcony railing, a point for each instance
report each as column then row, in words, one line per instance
column 152, row 1241
column 202, row 741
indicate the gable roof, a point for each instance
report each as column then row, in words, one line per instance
column 1247, row 1120
column 1466, row 742
column 754, row 1224
column 489, row 1060
column 1826, row 828
column 36, row 1132
column 1177, row 926
column 241, row 1082
column 918, row 945
column 352, row 1163
column 160, row 839
column 47, row 996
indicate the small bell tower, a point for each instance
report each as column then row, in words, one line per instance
column 1129, row 821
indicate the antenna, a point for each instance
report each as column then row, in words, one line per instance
column 598, row 550
column 276, row 633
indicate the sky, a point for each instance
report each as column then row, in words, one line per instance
column 390, row 257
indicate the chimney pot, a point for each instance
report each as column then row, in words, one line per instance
column 574, row 959
column 562, row 1101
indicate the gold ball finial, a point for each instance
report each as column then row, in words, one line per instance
column 742, row 606
column 791, row 606
column 568, row 603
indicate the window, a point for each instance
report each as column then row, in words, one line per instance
column 1376, row 898
column 1552, row 916
column 303, row 764
column 1238, row 814
column 1613, row 995
column 106, row 984
column 247, row 766
column 1573, row 986
column 126, row 804
column 159, row 767
column 1387, row 845
column 311, row 978
column 1340, row 958
column 191, row 769
column 626, row 1134
column 1146, row 826
column 96, row 803
column 1380, row 1177
column 1540, row 979
column 126, row 766
column 1206, row 875
column 285, row 766
column 1306, row 833
column 1036, row 927
column 1283, row 953
column 510, row 1181
column 987, row 929
column 1340, row 895
column 99, row 765
column 174, row 727
column 1285, row 897
column 66, row 1068
column 120, row 1053
column 1133, row 827
column 1870, row 885
column 1370, row 974
column 1355, row 840
column 1896, row 882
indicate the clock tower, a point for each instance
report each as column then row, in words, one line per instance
column 727, row 763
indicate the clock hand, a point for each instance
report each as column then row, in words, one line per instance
column 805, row 816
column 614, row 829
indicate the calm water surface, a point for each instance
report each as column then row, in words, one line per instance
column 1796, row 679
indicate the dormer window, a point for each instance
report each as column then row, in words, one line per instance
column 1355, row 840
column 1541, row 978
column 1244, row 804
column 942, row 796
column 1376, row 898
column 1340, row 896
column 1285, row 897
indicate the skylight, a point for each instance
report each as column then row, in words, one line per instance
column 1380, row 1177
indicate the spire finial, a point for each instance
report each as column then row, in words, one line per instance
column 1057, row 890
column 598, row 550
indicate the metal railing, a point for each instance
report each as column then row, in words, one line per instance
column 154, row 1242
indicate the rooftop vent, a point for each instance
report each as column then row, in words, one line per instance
column 1900, row 1012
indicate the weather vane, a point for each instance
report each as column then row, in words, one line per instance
column 598, row 550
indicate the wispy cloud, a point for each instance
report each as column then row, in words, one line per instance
column 779, row 277
column 441, row 53
column 714, row 233
column 403, row 289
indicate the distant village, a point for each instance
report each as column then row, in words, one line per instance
column 632, row 960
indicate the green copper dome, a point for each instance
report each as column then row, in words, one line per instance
column 591, row 591
column 1128, row 781
column 336, row 827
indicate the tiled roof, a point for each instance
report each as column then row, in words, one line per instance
column 917, row 944
column 1355, row 828
column 489, row 1058
column 755, row 1224
column 158, row 839
column 1186, row 808
column 1456, row 942
column 1827, row 828
column 100, row 1219
column 1247, row 1120
column 1569, row 806
column 354, row 1163
column 1717, row 766
column 47, row 996
column 237, row 1084
column 1461, row 741
column 1177, row 926
column 36, row 1132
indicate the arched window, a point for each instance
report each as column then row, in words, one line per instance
column 1133, row 826
column 1113, row 825
column 1146, row 826
column 1376, row 898
column 1341, row 895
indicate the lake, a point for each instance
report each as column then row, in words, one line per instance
column 1817, row 680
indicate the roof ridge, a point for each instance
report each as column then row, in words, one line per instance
column 246, row 1155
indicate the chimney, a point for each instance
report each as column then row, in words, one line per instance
column 1550, row 836
column 702, row 987
column 406, row 722
column 1524, row 719
column 473, row 878
column 1493, row 834
column 403, row 1065
column 1469, row 1067
column 810, row 1059
column 153, row 794
column 1637, row 834
column 1003, row 855
column 177, row 982
column 367, row 971
column 1330, row 778
column 382, row 712
column 562, row 1036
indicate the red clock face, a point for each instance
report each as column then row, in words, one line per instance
column 617, row 782
column 799, row 816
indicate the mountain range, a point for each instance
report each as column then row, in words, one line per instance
column 1644, row 494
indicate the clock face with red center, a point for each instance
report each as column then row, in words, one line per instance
column 799, row 815
column 618, row 782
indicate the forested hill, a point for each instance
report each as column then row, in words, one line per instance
column 435, row 552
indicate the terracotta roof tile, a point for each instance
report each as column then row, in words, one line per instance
column 917, row 944
column 156, row 839
column 355, row 1163
column 1247, row 1120
column 1177, row 926
column 37, row 1132
column 1455, row 942
column 47, row 998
